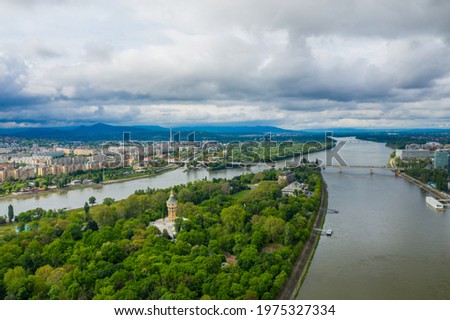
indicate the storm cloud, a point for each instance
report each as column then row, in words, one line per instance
column 296, row 64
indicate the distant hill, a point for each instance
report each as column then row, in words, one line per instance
column 11, row 131
column 105, row 132
column 96, row 132
column 235, row 129
column 40, row 133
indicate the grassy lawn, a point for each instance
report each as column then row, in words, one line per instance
column 241, row 194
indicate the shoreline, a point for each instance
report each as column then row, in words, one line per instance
column 92, row 185
column 301, row 265
column 156, row 173
column 423, row 186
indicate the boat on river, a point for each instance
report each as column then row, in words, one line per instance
column 434, row 203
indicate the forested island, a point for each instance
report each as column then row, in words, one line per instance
column 235, row 239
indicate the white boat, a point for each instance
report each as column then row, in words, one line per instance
column 329, row 232
column 434, row 203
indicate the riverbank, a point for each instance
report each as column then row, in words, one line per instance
column 296, row 156
column 141, row 176
column 303, row 261
column 68, row 188
column 424, row 186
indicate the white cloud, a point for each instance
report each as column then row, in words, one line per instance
column 295, row 63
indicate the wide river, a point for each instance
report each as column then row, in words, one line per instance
column 387, row 243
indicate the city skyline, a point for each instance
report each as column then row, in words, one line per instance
column 291, row 64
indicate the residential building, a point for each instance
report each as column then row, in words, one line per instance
column 84, row 152
column 4, row 159
column 433, row 146
column 4, row 175
column 412, row 154
column 6, row 150
column 23, row 173
column 287, row 176
column 294, row 187
column 66, row 151
column 44, row 171
column 442, row 159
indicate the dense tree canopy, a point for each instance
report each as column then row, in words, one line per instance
column 233, row 243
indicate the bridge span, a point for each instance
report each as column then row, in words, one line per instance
column 355, row 167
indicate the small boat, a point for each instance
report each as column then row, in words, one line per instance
column 329, row 232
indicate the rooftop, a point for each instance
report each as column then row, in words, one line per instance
column 172, row 198
column 162, row 224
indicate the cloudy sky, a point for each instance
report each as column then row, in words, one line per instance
column 291, row 63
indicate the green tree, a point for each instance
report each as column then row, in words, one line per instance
column 233, row 218
column 178, row 224
column 32, row 256
column 86, row 207
column 10, row 213
column 17, row 284
column 73, row 231
column 248, row 257
column 67, row 256
column 258, row 239
column 92, row 200
column 108, row 201
column 92, row 225
column 186, row 195
column 274, row 228
column 105, row 216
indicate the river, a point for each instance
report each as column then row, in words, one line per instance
column 76, row 198
column 387, row 243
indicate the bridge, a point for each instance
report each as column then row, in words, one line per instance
column 370, row 168
column 355, row 167
column 341, row 168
